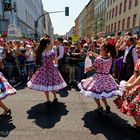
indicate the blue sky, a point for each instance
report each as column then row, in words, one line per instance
column 62, row 23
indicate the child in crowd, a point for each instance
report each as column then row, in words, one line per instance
column 30, row 60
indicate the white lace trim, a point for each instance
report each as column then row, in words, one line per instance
column 99, row 96
column 46, row 88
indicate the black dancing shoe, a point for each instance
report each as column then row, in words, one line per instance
column 107, row 111
column 99, row 109
column 6, row 114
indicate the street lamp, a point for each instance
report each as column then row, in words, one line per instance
column 36, row 21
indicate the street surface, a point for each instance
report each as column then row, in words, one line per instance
column 73, row 119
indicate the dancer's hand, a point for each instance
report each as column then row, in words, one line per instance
column 89, row 53
column 129, row 86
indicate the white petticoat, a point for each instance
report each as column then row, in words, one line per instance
column 118, row 92
column 46, row 88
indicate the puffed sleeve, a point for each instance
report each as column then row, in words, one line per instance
column 97, row 62
column 53, row 54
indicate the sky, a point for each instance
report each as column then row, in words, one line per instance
column 62, row 23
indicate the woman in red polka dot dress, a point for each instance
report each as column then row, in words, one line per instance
column 47, row 77
column 101, row 85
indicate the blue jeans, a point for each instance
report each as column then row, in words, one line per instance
column 79, row 73
column 10, row 70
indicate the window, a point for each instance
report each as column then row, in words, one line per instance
column 107, row 17
column 108, row 28
column 7, row 6
column 130, row 4
column 111, row 28
column 110, row 15
column 128, row 22
column 125, row 4
column 134, row 20
column 26, row 15
column 116, row 13
column 14, row 7
column 120, row 10
column 136, row 2
column 115, row 27
column 123, row 24
column 119, row 22
column 108, row 3
column 113, row 13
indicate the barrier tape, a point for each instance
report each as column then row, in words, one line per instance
column 18, row 65
column 35, row 64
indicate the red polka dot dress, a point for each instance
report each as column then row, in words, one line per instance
column 47, row 77
column 101, row 84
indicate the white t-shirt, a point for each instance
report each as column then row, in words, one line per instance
column 134, row 54
column 61, row 52
column 30, row 56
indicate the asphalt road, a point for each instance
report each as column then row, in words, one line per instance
column 73, row 119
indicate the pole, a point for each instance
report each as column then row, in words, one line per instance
column 36, row 21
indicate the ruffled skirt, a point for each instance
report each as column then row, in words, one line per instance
column 47, row 80
column 129, row 102
column 5, row 88
column 99, row 86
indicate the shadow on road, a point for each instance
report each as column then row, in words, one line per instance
column 6, row 126
column 46, row 119
column 111, row 126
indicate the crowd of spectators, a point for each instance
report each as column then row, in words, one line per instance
column 17, row 58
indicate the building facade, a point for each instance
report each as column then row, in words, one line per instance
column 23, row 14
column 70, row 32
column 80, row 25
column 122, row 15
column 99, row 16
column 85, row 20
column 90, row 18
column 48, row 26
column 76, row 27
column 1, row 10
